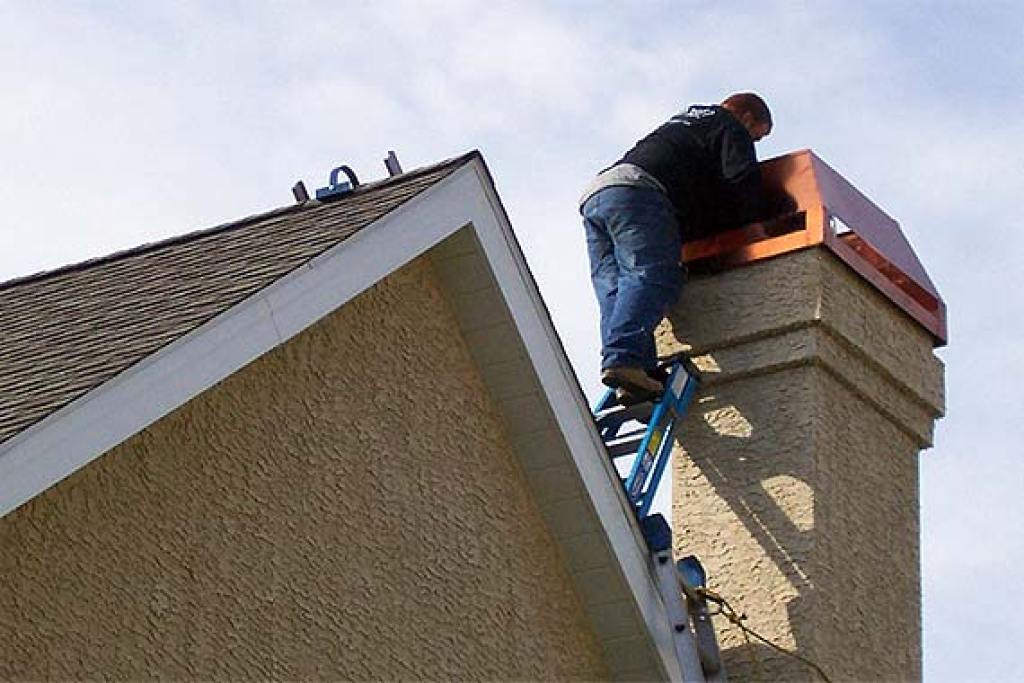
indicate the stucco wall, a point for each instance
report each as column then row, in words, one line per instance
column 798, row 485
column 345, row 507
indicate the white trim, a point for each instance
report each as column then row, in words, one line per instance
column 72, row 437
column 574, row 417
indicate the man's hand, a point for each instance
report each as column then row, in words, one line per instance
column 779, row 202
column 789, row 222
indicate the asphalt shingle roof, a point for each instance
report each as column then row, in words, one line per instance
column 67, row 331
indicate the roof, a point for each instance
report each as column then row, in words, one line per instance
column 97, row 352
column 67, row 331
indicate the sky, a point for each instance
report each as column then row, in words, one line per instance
column 123, row 123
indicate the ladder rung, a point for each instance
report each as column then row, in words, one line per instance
column 624, row 429
column 629, row 434
column 620, row 449
column 639, row 412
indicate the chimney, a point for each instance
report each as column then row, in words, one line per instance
column 796, row 481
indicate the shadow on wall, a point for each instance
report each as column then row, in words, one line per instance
column 755, row 661
column 773, row 511
column 748, row 511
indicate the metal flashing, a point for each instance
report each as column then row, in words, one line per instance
column 830, row 212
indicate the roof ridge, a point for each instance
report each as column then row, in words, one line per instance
column 223, row 227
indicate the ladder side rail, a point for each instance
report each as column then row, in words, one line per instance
column 707, row 643
column 605, row 402
column 644, row 458
column 679, row 389
column 661, row 460
column 676, row 412
column 703, row 628
column 679, row 617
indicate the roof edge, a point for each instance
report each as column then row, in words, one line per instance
column 280, row 211
column 575, row 420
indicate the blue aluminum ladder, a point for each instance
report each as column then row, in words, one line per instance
column 644, row 431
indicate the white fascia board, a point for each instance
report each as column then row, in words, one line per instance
column 73, row 436
column 574, row 417
column 81, row 431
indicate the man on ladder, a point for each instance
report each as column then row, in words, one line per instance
column 696, row 174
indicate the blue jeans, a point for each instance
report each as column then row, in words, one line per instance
column 634, row 245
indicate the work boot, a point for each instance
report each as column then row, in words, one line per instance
column 627, row 398
column 634, row 380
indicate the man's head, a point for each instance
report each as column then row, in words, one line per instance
column 752, row 112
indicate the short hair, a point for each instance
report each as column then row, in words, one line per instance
column 748, row 103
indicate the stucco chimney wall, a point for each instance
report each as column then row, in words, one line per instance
column 798, row 485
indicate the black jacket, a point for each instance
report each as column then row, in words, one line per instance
column 705, row 159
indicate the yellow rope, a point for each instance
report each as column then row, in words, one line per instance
column 737, row 618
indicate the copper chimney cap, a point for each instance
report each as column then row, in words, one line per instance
column 832, row 213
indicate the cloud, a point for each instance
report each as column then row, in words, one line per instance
column 124, row 124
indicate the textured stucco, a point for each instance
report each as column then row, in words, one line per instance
column 347, row 506
column 798, row 485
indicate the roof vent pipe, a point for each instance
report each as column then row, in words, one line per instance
column 300, row 193
column 391, row 163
